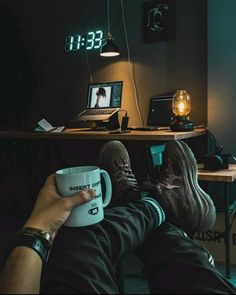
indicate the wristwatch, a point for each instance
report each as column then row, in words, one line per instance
column 36, row 239
column 41, row 233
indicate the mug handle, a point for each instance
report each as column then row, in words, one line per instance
column 107, row 179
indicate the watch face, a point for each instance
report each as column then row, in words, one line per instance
column 40, row 233
column 47, row 236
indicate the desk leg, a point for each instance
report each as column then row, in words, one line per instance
column 227, row 231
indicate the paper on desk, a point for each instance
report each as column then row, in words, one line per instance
column 45, row 126
column 58, row 129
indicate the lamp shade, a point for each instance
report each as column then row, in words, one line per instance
column 109, row 48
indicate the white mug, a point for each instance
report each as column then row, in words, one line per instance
column 73, row 179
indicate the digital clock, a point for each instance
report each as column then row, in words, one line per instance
column 93, row 40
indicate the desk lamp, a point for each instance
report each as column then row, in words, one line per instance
column 181, row 106
column 109, row 48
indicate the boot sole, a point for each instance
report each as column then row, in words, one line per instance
column 203, row 201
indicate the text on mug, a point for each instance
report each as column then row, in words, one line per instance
column 85, row 186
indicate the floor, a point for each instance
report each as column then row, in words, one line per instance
column 135, row 284
column 221, row 267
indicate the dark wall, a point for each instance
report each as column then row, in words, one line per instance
column 222, row 72
column 60, row 79
column 221, row 82
column 16, row 84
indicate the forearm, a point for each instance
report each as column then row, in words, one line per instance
column 22, row 272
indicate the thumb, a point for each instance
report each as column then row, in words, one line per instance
column 81, row 197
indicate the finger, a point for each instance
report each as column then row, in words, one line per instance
column 50, row 183
column 50, row 180
column 81, row 197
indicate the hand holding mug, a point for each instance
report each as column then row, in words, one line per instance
column 75, row 179
column 51, row 210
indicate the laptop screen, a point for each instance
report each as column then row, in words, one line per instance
column 105, row 95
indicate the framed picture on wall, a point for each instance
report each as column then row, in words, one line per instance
column 159, row 20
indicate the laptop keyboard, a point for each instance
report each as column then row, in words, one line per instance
column 98, row 112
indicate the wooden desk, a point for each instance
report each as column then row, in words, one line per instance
column 105, row 135
column 89, row 141
column 92, row 139
column 226, row 176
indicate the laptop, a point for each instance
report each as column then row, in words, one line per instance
column 160, row 113
column 103, row 101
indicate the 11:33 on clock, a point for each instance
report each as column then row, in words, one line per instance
column 91, row 40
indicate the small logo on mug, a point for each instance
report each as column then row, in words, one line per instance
column 93, row 211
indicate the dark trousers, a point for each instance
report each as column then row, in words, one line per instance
column 84, row 260
column 174, row 264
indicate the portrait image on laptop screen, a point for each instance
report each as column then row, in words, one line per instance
column 103, row 100
column 105, row 95
column 100, row 97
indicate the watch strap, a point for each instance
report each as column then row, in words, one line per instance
column 34, row 242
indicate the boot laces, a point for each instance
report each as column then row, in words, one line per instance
column 124, row 174
column 167, row 178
